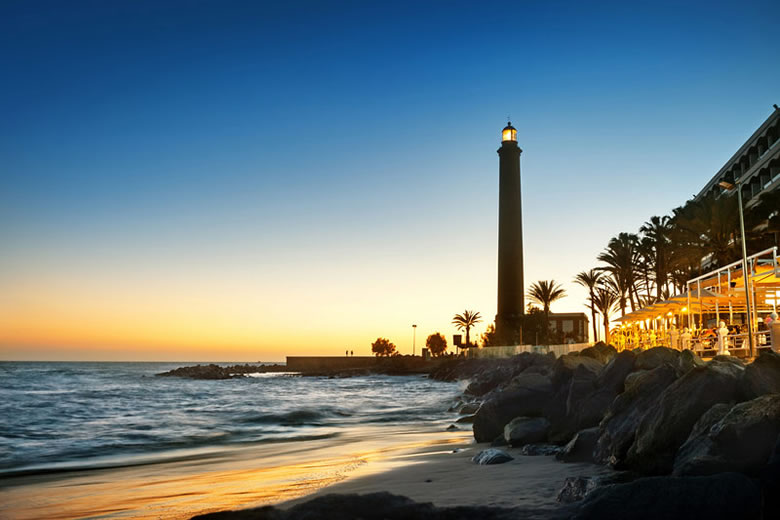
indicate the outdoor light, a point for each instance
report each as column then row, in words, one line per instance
column 684, row 309
column 509, row 133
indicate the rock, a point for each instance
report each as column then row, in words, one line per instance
column 527, row 395
column 719, row 497
column 565, row 410
column 372, row 506
column 600, row 351
column 687, row 360
column 613, row 376
column 564, row 366
column 632, row 378
column 655, row 357
column 728, row 359
column 770, row 479
column 693, row 458
column 491, row 456
column 617, row 430
column 469, row 409
column 740, row 440
column 762, row 376
column 670, row 419
column 466, row 419
column 534, row 450
column 488, row 380
column 575, row 489
column 452, row 428
column 580, row 448
column 526, row 430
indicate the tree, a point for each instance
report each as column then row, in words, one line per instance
column 535, row 325
column 622, row 258
column 436, row 344
column 589, row 280
column 657, row 231
column 465, row 321
column 382, row 347
column 605, row 298
column 489, row 338
column 545, row 293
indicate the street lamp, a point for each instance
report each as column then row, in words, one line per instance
column 745, row 275
column 414, row 338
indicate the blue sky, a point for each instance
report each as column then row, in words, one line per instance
column 320, row 152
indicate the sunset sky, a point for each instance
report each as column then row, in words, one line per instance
column 211, row 180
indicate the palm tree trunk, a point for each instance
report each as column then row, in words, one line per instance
column 593, row 315
column 606, row 328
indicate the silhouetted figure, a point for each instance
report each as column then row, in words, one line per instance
column 351, row 352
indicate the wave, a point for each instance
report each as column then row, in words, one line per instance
column 302, row 417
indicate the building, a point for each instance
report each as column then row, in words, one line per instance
column 570, row 327
column 511, row 290
column 755, row 166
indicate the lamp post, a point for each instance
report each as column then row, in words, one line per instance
column 745, row 275
column 414, row 339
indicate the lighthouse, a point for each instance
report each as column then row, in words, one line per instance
column 509, row 324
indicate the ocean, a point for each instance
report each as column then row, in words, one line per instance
column 67, row 420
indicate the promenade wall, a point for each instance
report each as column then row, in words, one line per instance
column 511, row 350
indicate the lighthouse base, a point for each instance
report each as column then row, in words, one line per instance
column 509, row 329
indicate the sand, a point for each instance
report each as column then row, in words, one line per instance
column 452, row 479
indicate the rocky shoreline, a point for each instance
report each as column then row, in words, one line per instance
column 688, row 438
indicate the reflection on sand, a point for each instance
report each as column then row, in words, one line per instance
column 240, row 478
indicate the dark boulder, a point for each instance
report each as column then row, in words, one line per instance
column 617, row 430
column 725, row 496
column 528, row 395
column 762, row 376
column 694, row 456
column 372, row 506
column 600, row 351
column 535, row 450
column 565, row 407
column 589, row 408
column 740, row 440
column 613, row 376
column 491, row 456
column 688, row 360
column 486, row 381
column 655, row 357
column 670, row 419
column 564, row 367
column 469, row 408
column 580, row 448
column 575, row 489
column 526, row 430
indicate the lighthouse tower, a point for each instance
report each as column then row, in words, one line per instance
column 509, row 325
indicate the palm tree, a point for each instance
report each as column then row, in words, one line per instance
column 656, row 231
column 545, row 293
column 589, row 280
column 465, row 321
column 605, row 298
column 621, row 257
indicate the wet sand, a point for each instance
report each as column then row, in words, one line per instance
column 237, row 479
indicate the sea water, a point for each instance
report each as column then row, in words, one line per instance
column 60, row 416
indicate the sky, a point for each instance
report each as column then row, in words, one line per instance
column 223, row 180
